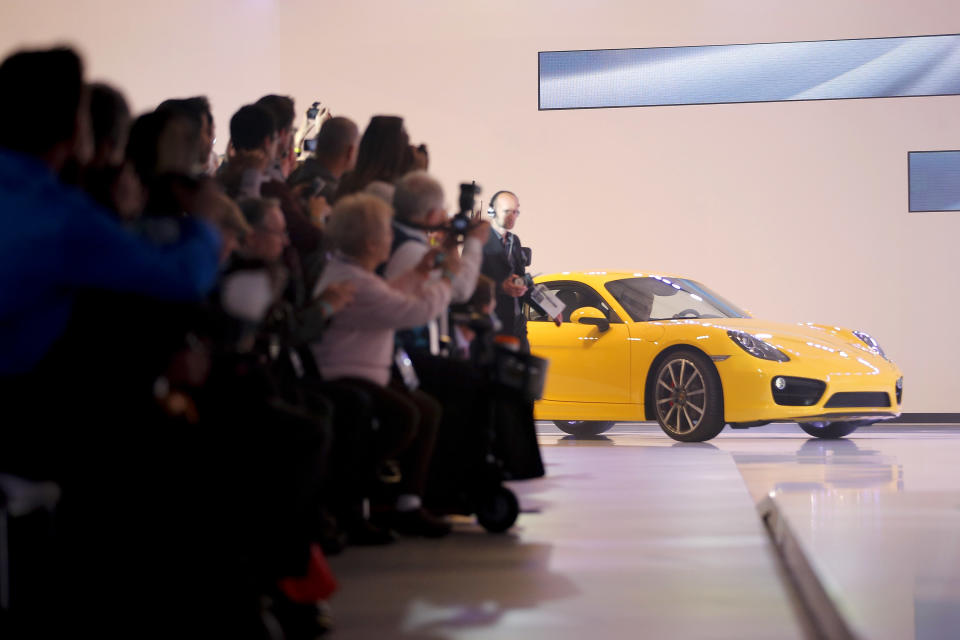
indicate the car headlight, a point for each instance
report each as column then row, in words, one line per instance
column 870, row 342
column 757, row 347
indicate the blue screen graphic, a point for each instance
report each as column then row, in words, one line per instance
column 817, row 70
column 934, row 180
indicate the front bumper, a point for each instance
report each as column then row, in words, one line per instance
column 748, row 391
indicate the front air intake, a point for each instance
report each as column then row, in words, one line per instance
column 797, row 392
column 858, row 399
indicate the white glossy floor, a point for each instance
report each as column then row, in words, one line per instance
column 634, row 535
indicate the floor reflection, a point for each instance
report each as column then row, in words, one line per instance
column 889, row 556
column 693, row 445
column 443, row 600
column 599, row 439
column 819, row 465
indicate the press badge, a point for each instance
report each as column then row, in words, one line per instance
column 407, row 372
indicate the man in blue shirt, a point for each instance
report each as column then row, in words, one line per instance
column 62, row 420
column 56, row 241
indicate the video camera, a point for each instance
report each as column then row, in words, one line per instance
column 463, row 221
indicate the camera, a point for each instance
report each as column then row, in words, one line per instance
column 316, row 114
column 461, row 223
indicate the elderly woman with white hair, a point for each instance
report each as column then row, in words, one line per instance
column 357, row 347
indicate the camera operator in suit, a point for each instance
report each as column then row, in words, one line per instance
column 505, row 261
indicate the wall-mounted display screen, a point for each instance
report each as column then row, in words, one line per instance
column 934, row 180
column 815, row 70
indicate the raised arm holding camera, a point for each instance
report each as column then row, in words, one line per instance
column 418, row 205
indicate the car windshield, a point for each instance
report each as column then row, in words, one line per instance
column 658, row 298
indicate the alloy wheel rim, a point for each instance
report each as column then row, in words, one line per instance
column 681, row 396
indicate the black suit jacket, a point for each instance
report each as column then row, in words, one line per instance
column 497, row 265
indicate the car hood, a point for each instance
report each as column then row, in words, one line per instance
column 806, row 340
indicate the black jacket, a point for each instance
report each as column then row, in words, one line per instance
column 497, row 265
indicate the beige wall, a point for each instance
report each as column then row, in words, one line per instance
column 797, row 211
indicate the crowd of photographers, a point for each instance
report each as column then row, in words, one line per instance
column 226, row 369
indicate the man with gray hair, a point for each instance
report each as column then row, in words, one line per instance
column 418, row 207
column 334, row 155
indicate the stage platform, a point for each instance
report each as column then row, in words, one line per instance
column 763, row 533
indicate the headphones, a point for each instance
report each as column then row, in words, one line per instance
column 491, row 210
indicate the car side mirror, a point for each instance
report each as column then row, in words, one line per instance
column 591, row 316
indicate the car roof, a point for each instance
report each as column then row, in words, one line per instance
column 605, row 276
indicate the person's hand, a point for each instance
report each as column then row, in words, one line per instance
column 189, row 367
column 128, row 193
column 338, row 294
column 451, row 259
column 444, row 258
column 323, row 116
column 428, row 262
column 511, row 288
column 179, row 405
column 288, row 161
column 319, row 210
column 421, row 158
column 558, row 321
column 481, row 231
column 300, row 190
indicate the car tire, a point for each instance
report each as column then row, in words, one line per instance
column 584, row 428
column 831, row 430
column 688, row 397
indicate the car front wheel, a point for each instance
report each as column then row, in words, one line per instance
column 688, row 397
column 831, row 430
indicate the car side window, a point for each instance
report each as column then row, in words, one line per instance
column 574, row 295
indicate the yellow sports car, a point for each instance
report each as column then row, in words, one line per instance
column 646, row 346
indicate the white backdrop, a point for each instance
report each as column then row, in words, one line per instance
column 796, row 211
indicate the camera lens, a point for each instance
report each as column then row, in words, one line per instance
column 460, row 223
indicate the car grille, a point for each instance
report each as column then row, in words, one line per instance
column 799, row 392
column 859, row 399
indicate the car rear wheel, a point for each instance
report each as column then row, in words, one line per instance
column 832, row 430
column 688, row 397
column 583, row 428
